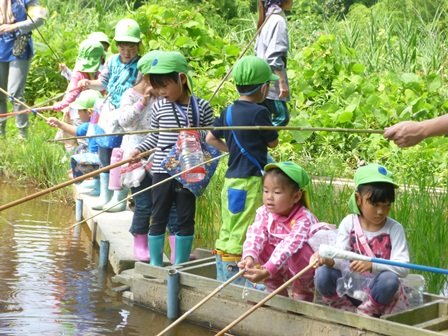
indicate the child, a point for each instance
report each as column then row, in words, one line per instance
column 272, row 44
column 241, row 196
column 95, row 36
column 120, row 73
column 135, row 114
column 368, row 231
column 85, row 161
column 278, row 238
column 90, row 55
column 177, row 107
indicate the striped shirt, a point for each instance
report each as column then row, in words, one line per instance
column 163, row 116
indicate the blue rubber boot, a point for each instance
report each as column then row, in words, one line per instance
column 105, row 193
column 90, row 187
column 156, row 249
column 118, row 196
column 183, row 249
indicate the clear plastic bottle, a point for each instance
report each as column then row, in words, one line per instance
column 414, row 287
column 190, row 156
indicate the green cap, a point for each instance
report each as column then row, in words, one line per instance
column 144, row 64
column 171, row 61
column 127, row 30
column 295, row 173
column 99, row 36
column 252, row 70
column 86, row 100
column 370, row 173
column 89, row 56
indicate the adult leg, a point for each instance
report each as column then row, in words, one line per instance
column 4, row 71
column 18, row 72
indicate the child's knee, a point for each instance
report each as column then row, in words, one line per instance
column 325, row 280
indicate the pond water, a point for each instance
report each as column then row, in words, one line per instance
column 49, row 280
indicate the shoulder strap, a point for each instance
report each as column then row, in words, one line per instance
column 242, row 149
column 360, row 236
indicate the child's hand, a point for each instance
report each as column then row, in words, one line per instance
column 256, row 274
column 62, row 67
column 134, row 155
column 247, row 263
column 83, row 83
column 53, row 122
column 361, row 266
column 320, row 261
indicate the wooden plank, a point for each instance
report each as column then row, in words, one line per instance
column 417, row 315
column 437, row 324
column 234, row 293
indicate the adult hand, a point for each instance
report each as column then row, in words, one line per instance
column 7, row 28
column 284, row 89
column 406, row 133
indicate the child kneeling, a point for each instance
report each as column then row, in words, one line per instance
column 278, row 239
column 367, row 231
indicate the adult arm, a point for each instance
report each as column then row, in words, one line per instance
column 409, row 133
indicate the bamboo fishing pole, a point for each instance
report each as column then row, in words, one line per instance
column 228, row 128
column 146, row 189
column 22, row 103
column 69, row 182
column 200, row 303
column 267, row 298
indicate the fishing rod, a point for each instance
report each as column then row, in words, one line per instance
column 69, row 182
column 30, row 110
column 12, row 98
column 146, row 189
column 327, row 251
column 267, row 298
column 229, row 128
column 204, row 300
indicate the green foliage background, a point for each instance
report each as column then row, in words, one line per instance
column 353, row 64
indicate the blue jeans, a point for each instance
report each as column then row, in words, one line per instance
column 382, row 287
column 143, row 209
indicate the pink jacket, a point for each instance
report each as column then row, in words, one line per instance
column 72, row 90
column 286, row 234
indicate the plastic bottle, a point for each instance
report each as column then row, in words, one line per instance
column 190, row 156
column 115, row 175
column 414, row 287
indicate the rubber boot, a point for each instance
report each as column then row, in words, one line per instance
column 118, row 196
column 182, row 249
column 105, row 193
column 371, row 308
column 141, row 250
column 90, row 187
column 156, row 249
column 2, row 128
column 23, row 133
column 172, row 241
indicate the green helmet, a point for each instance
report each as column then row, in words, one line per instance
column 86, row 100
column 99, row 36
column 127, row 30
column 89, row 57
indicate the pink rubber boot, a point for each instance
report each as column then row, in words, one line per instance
column 339, row 302
column 172, row 241
column 370, row 308
column 141, row 252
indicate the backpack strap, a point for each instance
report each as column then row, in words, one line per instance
column 242, row 149
column 361, row 238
